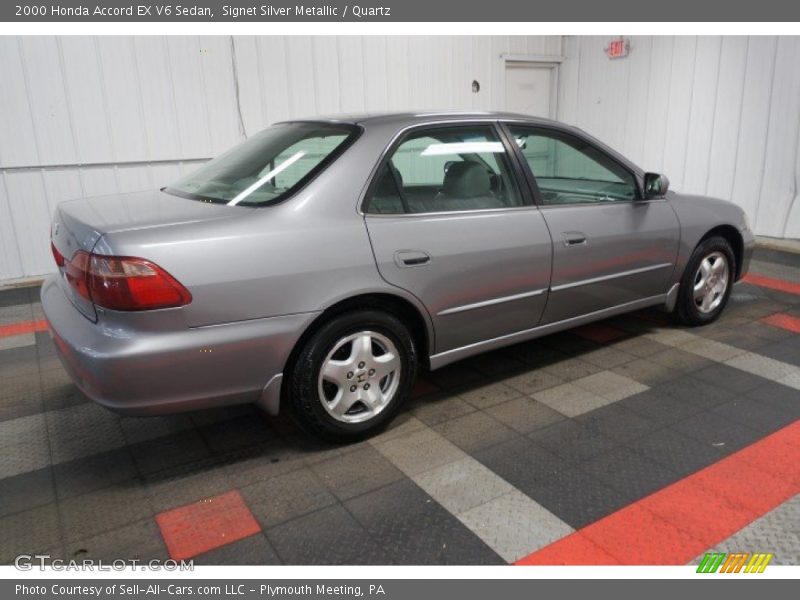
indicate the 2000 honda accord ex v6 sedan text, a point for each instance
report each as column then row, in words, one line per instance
column 316, row 266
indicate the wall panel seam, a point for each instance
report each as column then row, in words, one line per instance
column 766, row 138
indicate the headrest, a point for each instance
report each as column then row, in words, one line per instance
column 398, row 176
column 466, row 179
column 387, row 186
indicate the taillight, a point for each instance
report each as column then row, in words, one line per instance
column 57, row 255
column 124, row 282
column 76, row 272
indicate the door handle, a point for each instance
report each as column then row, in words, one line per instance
column 574, row 238
column 411, row 258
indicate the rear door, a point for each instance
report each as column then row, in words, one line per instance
column 610, row 247
column 449, row 223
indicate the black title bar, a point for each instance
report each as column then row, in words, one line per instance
column 401, row 11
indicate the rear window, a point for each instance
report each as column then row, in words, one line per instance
column 269, row 166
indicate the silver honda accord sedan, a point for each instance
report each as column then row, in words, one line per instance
column 319, row 264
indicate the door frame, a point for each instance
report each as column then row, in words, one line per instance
column 522, row 61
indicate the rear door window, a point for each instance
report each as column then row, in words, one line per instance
column 457, row 168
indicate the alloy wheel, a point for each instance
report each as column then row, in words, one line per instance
column 711, row 282
column 359, row 377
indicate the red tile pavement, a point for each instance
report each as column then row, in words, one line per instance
column 574, row 549
column 754, row 487
column 782, row 459
column 202, row 526
column 783, row 321
column 679, row 522
column 599, row 332
column 770, row 282
column 22, row 328
column 679, row 504
column 646, row 539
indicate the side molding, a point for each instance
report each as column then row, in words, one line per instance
column 441, row 359
column 492, row 302
column 574, row 284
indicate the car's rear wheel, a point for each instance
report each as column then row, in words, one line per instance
column 352, row 375
column 707, row 282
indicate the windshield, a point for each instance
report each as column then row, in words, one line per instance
column 267, row 167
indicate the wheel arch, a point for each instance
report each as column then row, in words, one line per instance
column 734, row 238
column 411, row 315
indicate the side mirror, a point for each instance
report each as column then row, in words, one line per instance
column 655, row 185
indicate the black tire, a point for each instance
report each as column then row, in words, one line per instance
column 687, row 312
column 302, row 391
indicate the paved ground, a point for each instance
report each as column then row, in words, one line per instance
column 599, row 445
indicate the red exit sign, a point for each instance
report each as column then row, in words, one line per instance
column 618, row 48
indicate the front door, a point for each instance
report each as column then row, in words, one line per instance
column 449, row 223
column 610, row 247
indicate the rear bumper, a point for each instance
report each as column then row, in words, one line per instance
column 166, row 367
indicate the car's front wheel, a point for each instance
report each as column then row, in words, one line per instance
column 706, row 283
column 352, row 375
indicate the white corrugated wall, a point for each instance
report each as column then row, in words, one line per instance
column 718, row 115
column 84, row 116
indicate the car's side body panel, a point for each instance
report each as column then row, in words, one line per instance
column 263, row 264
column 608, row 254
column 445, row 358
column 487, row 275
column 697, row 216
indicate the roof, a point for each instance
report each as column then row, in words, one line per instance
column 423, row 116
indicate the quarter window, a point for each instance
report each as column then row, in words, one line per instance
column 569, row 170
column 446, row 169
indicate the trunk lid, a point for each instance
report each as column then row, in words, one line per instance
column 79, row 224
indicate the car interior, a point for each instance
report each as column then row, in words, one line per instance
column 444, row 182
column 571, row 171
